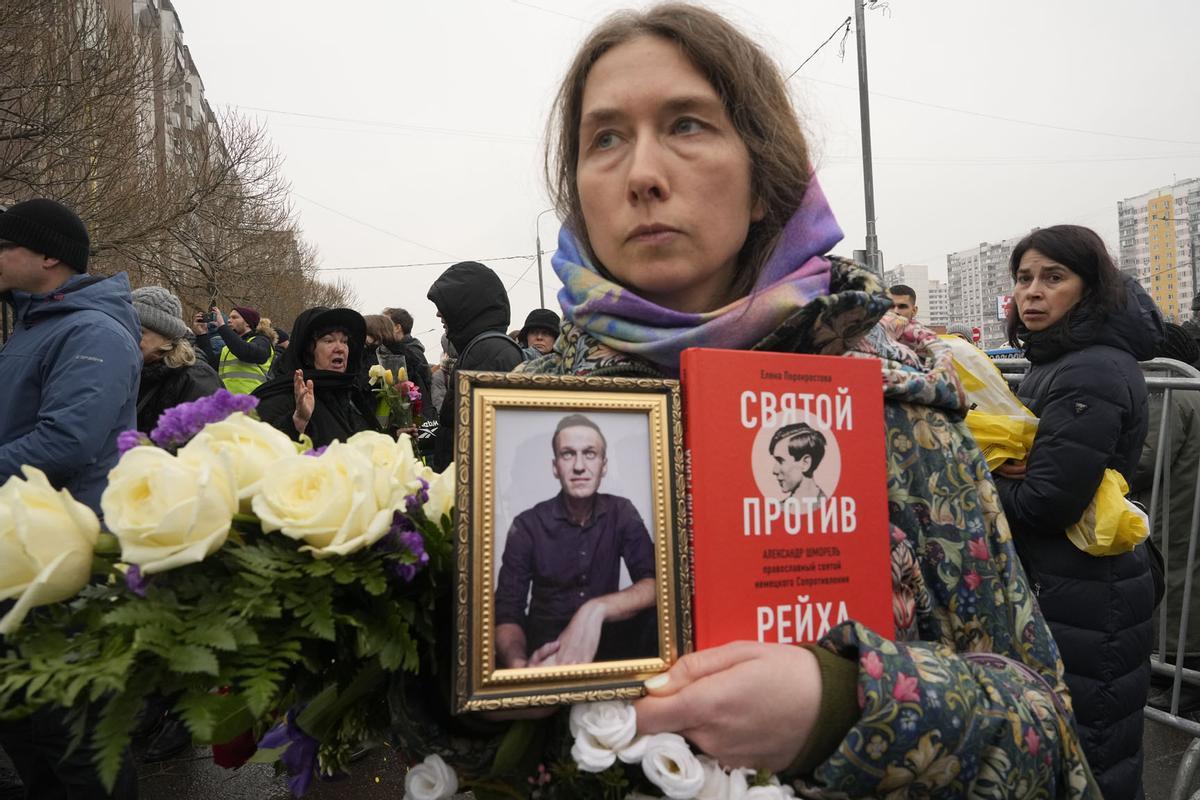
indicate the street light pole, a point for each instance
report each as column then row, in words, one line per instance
column 537, row 240
column 873, row 256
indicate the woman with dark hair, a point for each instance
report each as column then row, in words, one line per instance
column 319, row 391
column 692, row 218
column 1084, row 327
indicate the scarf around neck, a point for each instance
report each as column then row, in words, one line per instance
column 795, row 273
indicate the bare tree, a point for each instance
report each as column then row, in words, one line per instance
column 199, row 206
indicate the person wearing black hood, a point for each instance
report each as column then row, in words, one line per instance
column 473, row 306
column 319, row 391
column 1084, row 327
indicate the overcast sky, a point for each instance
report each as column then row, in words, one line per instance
column 412, row 132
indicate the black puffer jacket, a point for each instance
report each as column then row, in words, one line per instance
column 1090, row 398
column 344, row 404
column 164, row 387
column 471, row 299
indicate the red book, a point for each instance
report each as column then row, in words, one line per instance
column 788, row 495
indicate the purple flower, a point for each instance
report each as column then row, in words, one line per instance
column 300, row 758
column 316, row 451
column 419, row 498
column 134, row 580
column 178, row 425
column 415, row 545
column 404, row 539
column 127, row 440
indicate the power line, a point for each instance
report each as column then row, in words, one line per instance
column 429, row 263
column 845, row 25
column 1015, row 120
column 547, row 10
column 369, row 225
column 521, row 276
column 491, row 135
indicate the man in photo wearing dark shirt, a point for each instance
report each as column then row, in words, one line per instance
column 569, row 549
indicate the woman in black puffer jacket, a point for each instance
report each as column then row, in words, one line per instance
column 1084, row 327
column 171, row 373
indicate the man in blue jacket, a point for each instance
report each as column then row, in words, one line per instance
column 69, row 372
column 68, row 386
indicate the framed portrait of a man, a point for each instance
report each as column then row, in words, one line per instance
column 571, row 541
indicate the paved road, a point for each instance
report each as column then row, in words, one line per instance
column 379, row 775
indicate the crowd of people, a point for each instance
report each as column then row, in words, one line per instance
column 692, row 216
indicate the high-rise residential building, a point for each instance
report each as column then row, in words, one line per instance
column 980, row 286
column 176, row 107
column 936, row 310
column 1160, row 244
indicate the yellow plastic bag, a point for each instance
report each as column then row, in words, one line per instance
column 1001, row 425
column 1111, row 525
column 1004, row 429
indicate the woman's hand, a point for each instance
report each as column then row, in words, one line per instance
column 199, row 324
column 746, row 704
column 1014, row 470
column 306, row 400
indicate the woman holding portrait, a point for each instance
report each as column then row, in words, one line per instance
column 692, row 217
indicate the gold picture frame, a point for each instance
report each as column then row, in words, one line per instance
column 505, row 426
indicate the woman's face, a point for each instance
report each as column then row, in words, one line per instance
column 152, row 345
column 332, row 352
column 663, row 176
column 1045, row 290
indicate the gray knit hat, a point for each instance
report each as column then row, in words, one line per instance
column 160, row 311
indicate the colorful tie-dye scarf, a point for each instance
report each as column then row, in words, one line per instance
column 795, row 273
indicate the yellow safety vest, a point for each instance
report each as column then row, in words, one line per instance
column 242, row 377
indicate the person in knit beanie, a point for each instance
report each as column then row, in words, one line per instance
column 70, row 374
column 245, row 362
column 48, row 228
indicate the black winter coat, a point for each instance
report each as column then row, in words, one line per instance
column 344, row 404
column 1090, row 398
column 471, row 299
column 163, row 387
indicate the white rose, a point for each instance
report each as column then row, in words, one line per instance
column 375, row 373
column 327, row 501
column 717, row 782
column 441, row 493
column 671, row 765
column 396, row 467
column 772, row 792
column 168, row 510
column 46, row 543
column 253, row 447
column 432, row 779
column 600, row 730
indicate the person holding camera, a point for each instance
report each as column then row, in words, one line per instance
column 249, row 340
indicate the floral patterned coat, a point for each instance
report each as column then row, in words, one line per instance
column 969, row 700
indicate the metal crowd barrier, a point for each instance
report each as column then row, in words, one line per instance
column 1164, row 376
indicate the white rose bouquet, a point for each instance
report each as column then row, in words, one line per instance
column 270, row 590
column 290, row 597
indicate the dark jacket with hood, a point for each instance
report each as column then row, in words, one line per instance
column 344, row 404
column 70, row 376
column 418, row 366
column 472, row 301
column 251, row 347
column 1090, row 397
column 164, row 387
